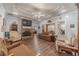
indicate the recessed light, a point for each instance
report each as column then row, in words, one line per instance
column 66, row 16
column 15, row 13
column 63, row 11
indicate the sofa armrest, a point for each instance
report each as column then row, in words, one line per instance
column 12, row 54
column 13, row 45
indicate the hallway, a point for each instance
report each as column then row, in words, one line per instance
column 43, row 47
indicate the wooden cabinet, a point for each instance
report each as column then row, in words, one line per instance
column 14, row 27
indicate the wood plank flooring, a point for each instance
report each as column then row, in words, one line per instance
column 43, row 47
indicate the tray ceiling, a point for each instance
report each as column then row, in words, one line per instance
column 39, row 11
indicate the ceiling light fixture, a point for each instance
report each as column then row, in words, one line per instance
column 39, row 14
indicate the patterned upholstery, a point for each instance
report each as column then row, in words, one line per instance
column 14, row 36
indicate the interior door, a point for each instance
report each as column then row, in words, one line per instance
column 51, row 27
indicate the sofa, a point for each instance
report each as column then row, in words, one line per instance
column 15, row 49
column 44, row 36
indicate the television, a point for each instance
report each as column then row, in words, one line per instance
column 26, row 22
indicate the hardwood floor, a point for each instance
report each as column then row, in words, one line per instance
column 43, row 47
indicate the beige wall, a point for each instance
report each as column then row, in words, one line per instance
column 67, row 18
column 2, row 15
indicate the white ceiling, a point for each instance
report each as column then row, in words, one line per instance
column 39, row 11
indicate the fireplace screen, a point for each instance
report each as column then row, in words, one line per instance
column 26, row 33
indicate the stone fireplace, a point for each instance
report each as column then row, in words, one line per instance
column 27, row 33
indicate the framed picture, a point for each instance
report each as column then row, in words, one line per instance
column 72, row 25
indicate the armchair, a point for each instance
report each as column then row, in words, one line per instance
column 16, row 49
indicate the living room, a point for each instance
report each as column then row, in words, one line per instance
column 47, row 30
